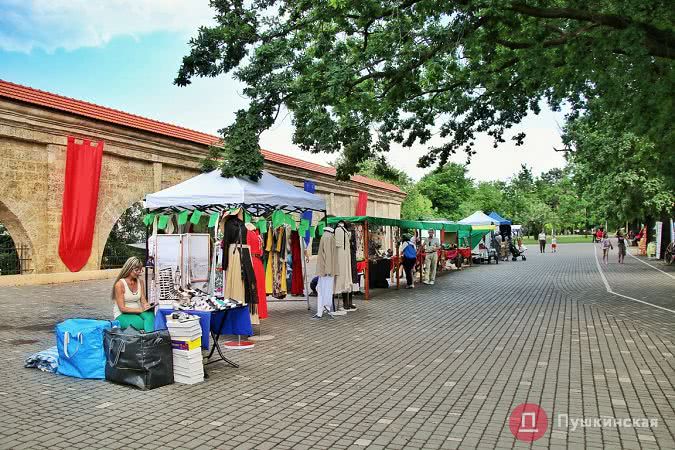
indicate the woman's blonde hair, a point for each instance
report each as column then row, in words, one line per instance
column 127, row 268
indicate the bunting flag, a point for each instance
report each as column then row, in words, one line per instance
column 183, row 217
column 309, row 186
column 80, row 200
column 196, row 215
column 213, row 219
column 162, row 222
column 147, row 220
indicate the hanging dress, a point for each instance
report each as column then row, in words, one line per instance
column 297, row 280
column 255, row 243
column 239, row 277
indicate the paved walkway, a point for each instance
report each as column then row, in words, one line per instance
column 436, row 367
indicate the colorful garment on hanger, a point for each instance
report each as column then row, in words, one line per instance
column 275, row 272
column 297, row 280
column 239, row 277
column 360, row 240
column 255, row 243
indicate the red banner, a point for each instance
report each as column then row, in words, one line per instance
column 362, row 204
column 80, row 197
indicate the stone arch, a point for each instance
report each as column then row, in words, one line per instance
column 19, row 235
column 109, row 214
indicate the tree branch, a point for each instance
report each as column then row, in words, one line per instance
column 659, row 42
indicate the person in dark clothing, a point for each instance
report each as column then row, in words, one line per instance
column 312, row 285
column 408, row 254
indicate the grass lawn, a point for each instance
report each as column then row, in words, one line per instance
column 563, row 239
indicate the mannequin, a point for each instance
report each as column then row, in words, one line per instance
column 254, row 242
column 326, row 268
column 343, row 280
column 238, row 274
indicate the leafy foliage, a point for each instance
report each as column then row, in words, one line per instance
column 358, row 75
column 447, row 188
column 619, row 172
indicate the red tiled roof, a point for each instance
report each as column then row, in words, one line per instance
column 91, row 110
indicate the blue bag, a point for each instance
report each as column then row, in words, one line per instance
column 80, row 345
column 409, row 251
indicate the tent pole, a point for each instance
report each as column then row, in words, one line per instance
column 303, row 251
column 366, row 270
column 397, row 265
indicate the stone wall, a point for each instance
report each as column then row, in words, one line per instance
column 32, row 166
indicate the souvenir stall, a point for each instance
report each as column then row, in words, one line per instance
column 482, row 230
column 249, row 220
column 375, row 264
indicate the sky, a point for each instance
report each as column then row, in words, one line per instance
column 124, row 54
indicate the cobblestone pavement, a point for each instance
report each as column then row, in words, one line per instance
column 437, row 367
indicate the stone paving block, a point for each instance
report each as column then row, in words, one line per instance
column 462, row 354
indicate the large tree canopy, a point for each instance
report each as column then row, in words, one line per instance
column 358, row 75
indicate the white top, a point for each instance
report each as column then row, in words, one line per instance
column 542, row 236
column 131, row 299
column 432, row 244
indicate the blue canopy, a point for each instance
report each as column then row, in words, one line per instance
column 500, row 219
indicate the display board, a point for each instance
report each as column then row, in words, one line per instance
column 196, row 252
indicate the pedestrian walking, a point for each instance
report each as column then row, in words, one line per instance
column 606, row 245
column 542, row 242
column 554, row 244
column 621, row 245
column 408, row 254
column 598, row 234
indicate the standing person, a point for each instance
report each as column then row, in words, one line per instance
column 408, row 254
column 130, row 306
column 593, row 235
column 431, row 259
column 554, row 243
column 542, row 242
column 606, row 245
column 621, row 244
column 599, row 234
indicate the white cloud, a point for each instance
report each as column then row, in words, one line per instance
column 70, row 24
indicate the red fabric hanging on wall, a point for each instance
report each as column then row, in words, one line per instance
column 297, row 280
column 80, row 198
column 362, row 205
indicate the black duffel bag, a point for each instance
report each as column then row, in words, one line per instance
column 144, row 360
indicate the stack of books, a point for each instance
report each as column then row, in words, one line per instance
column 186, row 341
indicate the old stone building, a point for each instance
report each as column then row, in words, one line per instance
column 140, row 156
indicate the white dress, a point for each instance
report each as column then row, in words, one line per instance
column 343, row 279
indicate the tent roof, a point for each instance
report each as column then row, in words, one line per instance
column 500, row 219
column 410, row 224
column 479, row 218
column 211, row 192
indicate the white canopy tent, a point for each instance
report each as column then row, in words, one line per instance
column 480, row 219
column 211, row 192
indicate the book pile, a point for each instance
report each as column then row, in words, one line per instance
column 186, row 341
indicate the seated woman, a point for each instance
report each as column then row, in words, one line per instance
column 130, row 307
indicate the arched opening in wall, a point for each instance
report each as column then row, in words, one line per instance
column 126, row 238
column 13, row 259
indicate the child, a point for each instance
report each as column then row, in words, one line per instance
column 622, row 246
column 554, row 243
column 606, row 244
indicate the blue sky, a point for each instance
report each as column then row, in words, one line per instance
column 124, row 54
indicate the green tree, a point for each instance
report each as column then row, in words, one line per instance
column 487, row 196
column 447, row 187
column 358, row 75
column 618, row 172
column 417, row 206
